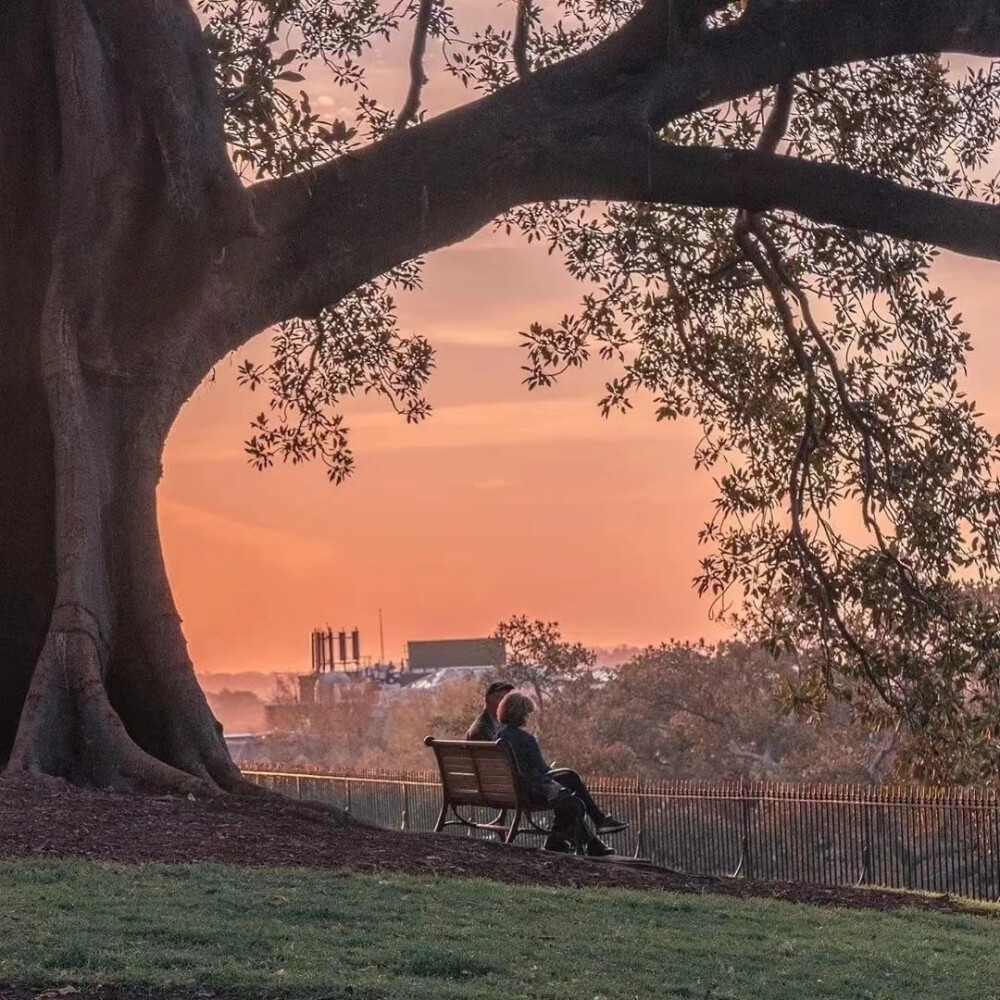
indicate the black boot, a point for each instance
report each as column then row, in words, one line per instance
column 610, row 824
column 557, row 843
column 596, row 848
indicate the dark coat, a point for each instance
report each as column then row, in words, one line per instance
column 527, row 753
column 484, row 728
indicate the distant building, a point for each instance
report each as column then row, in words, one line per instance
column 438, row 677
column 437, row 654
column 429, row 663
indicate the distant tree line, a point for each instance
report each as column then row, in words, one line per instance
column 677, row 710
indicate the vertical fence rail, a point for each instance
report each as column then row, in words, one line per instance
column 931, row 839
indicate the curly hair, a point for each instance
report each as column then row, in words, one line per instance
column 515, row 709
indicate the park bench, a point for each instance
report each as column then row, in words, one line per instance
column 476, row 773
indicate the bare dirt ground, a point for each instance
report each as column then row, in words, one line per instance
column 59, row 821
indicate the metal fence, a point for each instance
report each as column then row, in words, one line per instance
column 933, row 839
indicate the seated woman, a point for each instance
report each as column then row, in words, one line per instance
column 562, row 787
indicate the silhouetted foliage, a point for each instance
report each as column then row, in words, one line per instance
column 538, row 658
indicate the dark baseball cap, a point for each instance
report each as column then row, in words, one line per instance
column 499, row 686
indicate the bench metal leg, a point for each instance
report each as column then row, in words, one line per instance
column 439, row 825
column 501, row 820
column 514, row 824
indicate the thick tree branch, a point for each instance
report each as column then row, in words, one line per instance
column 773, row 42
column 656, row 33
column 758, row 182
column 573, row 132
column 351, row 221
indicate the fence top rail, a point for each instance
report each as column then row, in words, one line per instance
column 816, row 792
column 387, row 778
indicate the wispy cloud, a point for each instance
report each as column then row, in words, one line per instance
column 483, row 425
column 475, row 425
column 259, row 543
column 491, row 485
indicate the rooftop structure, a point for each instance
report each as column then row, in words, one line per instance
column 436, row 654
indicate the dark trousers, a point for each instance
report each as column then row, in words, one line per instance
column 568, row 822
column 571, row 780
column 568, row 810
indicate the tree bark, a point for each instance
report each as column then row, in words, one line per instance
column 118, row 195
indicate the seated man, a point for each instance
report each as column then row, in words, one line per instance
column 562, row 787
column 486, row 726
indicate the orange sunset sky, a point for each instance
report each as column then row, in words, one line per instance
column 503, row 502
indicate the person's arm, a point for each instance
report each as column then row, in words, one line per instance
column 533, row 754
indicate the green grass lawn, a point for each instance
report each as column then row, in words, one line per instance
column 319, row 934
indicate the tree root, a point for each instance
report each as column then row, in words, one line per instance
column 69, row 729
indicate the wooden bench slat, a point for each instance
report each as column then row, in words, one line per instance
column 495, row 765
column 495, row 794
column 475, row 798
column 457, row 762
column 470, row 786
column 497, row 782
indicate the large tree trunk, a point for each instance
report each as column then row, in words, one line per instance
column 113, row 697
column 117, row 197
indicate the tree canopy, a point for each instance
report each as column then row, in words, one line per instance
column 752, row 194
column 539, row 658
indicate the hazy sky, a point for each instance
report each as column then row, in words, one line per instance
column 503, row 502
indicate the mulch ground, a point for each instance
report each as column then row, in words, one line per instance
column 110, row 992
column 56, row 821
